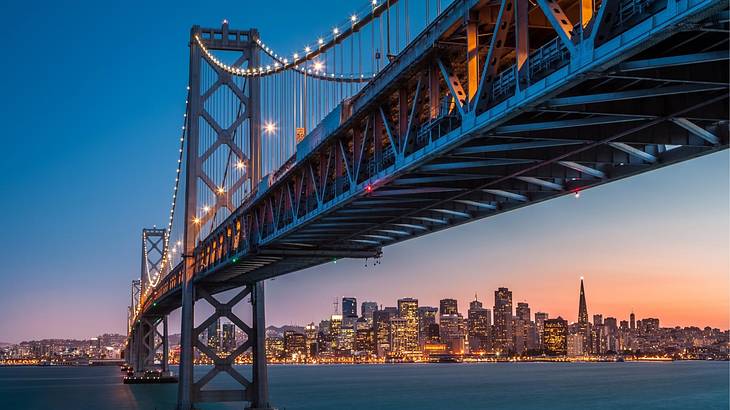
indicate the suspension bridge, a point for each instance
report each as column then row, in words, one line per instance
column 403, row 119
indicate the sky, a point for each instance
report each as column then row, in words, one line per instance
column 94, row 94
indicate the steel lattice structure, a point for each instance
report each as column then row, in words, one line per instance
column 494, row 106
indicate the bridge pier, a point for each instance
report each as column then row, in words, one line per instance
column 254, row 391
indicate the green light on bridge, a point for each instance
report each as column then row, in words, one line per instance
column 234, row 260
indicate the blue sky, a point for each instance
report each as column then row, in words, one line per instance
column 94, row 96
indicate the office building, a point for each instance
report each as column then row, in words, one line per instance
column 448, row 307
column 503, row 334
column 408, row 310
column 555, row 336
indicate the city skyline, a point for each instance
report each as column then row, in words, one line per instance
column 656, row 243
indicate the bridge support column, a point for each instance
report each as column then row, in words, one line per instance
column 254, row 390
column 260, row 374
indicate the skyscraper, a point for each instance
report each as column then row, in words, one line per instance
column 228, row 337
column 502, row 338
column 479, row 323
column 582, row 308
column 523, row 312
column 555, row 335
column 632, row 321
column 597, row 320
column 408, row 310
column 367, row 309
column 349, row 307
column 381, row 327
column 540, row 318
column 426, row 318
column 214, row 336
column 448, row 307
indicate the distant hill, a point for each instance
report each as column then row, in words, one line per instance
column 3, row 344
column 279, row 331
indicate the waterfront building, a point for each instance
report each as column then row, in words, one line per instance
column 365, row 342
column 274, row 348
column 555, row 335
column 408, row 310
column 453, row 332
column 448, row 307
column 575, row 345
column 502, row 336
column 295, row 346
column 582, row 306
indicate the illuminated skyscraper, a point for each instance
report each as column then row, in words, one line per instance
column 503, row 333
column 310, row 332
column 597, row 320
column 399, row 336
column 555, row 335
column 365, row 342
column 295, row 346
column 448, row 307
column 408, row 310
column 479, row 323
column 582, row 307
column 381, row 327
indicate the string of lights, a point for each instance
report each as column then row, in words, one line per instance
column 339, row 33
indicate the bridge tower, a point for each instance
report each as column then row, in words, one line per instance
column 236, row 132
column 145, row 337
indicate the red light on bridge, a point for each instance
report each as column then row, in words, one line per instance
column 369, row 188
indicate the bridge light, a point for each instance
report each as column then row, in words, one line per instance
column 220, row 190
column 240, row 165
column 353, row 18
column 335, row 31
column 320, row 41
column 577, row 194
column 206, row 208
column 318, row 66
column 307, row 49
column 368, row 188
column 270, row 127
